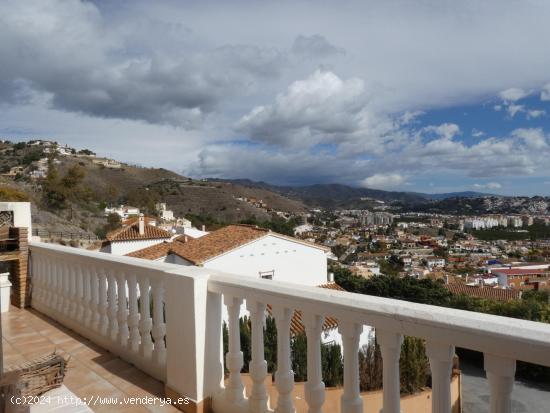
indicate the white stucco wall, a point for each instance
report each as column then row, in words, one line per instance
column 126, row 247
column 21, row 214
column 292, row 261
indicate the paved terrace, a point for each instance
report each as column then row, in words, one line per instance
column 93, row 371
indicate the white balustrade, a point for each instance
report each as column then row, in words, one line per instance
column 258, row 399
column 441, row 364
column 284, row 376
column 123, row 331
column 133, row 317
column 351, row 401
column 99, row 299
column 166, row 319
column 314, row 388
column 159, row 327
column 390, row 347
column 234, row 357
column 145, row 320
column 500, row 374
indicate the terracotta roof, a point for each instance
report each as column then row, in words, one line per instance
column 133, row 220
column 332, row 286
column 154, row 252
column 131, row 233
column 489, row 293
column 518, row 271
column 199, row 250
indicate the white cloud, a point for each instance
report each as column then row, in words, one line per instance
column 318, row 109
column 489, row 185
column 384, row 181
column 545, row 93
column 533, row 138
column 445, row 130
column 514, row 109
column 513, row 94
column 477, row 133
column 535, row 113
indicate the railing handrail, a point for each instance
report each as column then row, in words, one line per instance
column 507, row 337
column 503, row 336
column 105, row 257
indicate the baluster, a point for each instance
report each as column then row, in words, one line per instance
column 257, row 401
column 133, row 318
column 102, row 304
column 112, row 303
column 48, row 282
column 80, row 294
column 390, row 347
column 284, row 377
column 145, row 322
column 95, row 319
column 351, row 401
column 87, row 296
column 314, row 387
column 441, row 364
column 66, row 280
column 159, row 327
column 72, row 290
column 37, row 279
column 59, row 268
column 500, row 374
column 234, row 389
column 56, row 285
column 123, row 331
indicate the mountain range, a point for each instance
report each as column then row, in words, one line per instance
column 340, row 195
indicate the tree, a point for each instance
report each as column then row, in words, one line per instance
column 331, row 363
column 413, row 365
column 370, row 367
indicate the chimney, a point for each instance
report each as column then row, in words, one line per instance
column 141, row 222
column 330, row 277
column 204, row 228
column 447, row 279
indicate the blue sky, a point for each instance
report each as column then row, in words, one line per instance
column 423, row 96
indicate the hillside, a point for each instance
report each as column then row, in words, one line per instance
column 109, row 182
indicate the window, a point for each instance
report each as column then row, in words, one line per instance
column 267, row 275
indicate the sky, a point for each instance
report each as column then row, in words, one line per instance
column 427, row 96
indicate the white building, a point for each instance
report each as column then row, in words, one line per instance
column 165, row 214
column 123, row 211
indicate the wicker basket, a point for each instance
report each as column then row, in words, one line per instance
column 34, row 378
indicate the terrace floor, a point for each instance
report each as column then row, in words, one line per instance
column 93, row 372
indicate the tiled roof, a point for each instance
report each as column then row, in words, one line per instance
column 131, row 233
column 518, row 271
column 201, row 249
column 154, row 252
column 489, row 293
column 133, row 220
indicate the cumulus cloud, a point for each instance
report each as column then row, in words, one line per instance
column 513, row 94
column 320, row 108
column 384, row 181
column 445, row 130
column 489, row 185
column 514, row 109
column 535, row 113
